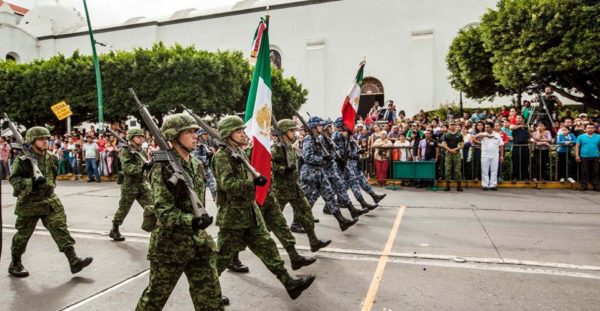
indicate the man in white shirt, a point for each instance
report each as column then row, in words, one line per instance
column 91, row 154
column 491, row 155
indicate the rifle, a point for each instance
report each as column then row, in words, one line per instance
column 166, row 155
column 235, row 152
column 124, row 144
column 38, row 177
column 316, row 138
column 279, row 134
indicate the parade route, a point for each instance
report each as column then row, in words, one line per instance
column 515, row 249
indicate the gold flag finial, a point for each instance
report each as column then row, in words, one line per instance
column 268, row 13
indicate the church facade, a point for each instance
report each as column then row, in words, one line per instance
column 320, row 42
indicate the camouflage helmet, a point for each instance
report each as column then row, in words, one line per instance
column 314, row 121
column 176, row 123
column 36, row 132
column 327, row 123
column 230, row 124
column 133, row 133
column 200, row 131
column 339, row 122
column 286, row 125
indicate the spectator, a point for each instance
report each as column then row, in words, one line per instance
column 71, row 157
column 4, row 158
column 428, row 151
column 512, row 116
column 382, row 154
column 491, row 154
column 506, row 129
column 541, row 152
column 526, row 110
column 477, row 116
column 504, row 112
column 476, row 147
column 404, row 151
column 394, row 135
column 566, row 141
column 102, row 166
column 587, row 152
column 111, row 156
column 91, row 154
column 60, row 151
column 520, row 150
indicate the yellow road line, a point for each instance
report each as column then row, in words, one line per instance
column 372, row 293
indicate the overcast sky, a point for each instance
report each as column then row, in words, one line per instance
column 107, row 12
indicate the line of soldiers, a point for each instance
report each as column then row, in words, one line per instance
column 178, row 243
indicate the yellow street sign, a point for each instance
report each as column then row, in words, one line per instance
column 62, row 110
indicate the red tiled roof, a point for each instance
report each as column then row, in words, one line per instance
column 17, row 9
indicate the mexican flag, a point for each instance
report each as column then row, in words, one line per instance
column 258, row 109
column 350, row 106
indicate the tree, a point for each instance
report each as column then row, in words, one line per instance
column 163, row 77
column 553, row 41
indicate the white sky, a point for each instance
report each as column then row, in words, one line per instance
column 110, row 12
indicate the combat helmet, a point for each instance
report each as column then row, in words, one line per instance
column 174, row 124
column 314, row 121
column 286, row 125
column 133, row 133
column 230, row 124
column 36, row 132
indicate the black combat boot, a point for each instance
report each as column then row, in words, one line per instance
column 315, row 243
column 354, row 212
column 299, row 261
column 115, row 234
column 364, row 204
column 237, row 266
column 16, row 268
column 459, row 187
column 378, row 197
column 343, row 222
column 326, row 210
column 295, row 287
column 297, row 227
column 77, row 264
column 224, row 300
column 447, row 186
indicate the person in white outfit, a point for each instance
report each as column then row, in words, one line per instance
column 491, row 155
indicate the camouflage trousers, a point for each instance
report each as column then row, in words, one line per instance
column 314, row 184
column 302, row 211
column 202, row 276
column 275, row 222
column 258, row 239
column 211, row 184
column 129, row 193
column 356, row 180
column 55, row 222
column 337, row 184
column 452, row 166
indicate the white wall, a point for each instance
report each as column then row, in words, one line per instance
column 15, row 40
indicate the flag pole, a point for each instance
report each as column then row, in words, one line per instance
column 96, row 68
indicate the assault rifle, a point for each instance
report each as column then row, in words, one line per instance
column 235, row 152
column 124, row 144
column 279, row 134
column 316, row 138
column 166, row 155
column 38, row 177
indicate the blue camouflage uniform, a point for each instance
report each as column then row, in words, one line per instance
column 204, row 155
column 332, row 172
column 314, row 181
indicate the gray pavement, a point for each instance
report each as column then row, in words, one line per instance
column 515, row 249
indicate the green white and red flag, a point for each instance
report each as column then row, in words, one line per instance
column 258, row 109
column 350, row 105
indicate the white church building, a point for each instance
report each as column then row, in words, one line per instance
column 320, row 42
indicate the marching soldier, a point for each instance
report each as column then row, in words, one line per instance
column 204, row 154
column 134, row 187
column 314, row 181
column 286, row 183
column 177, row 244
column 354, row 176
column 36, row 200
column 239, row 218
column 331, row 171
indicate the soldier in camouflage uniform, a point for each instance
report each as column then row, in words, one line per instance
column 286, row 183
column 239, row 218
column 354, row 176
column 204, row 154
column 177, row 244
column 452, row 143
column 36, row 200
column 314, row 181
column 134, row 187
column 331, row 172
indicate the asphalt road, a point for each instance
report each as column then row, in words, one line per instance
column 515, row 249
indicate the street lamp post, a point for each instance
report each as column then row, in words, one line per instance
column 96, row 67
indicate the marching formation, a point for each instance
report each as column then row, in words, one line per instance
column 171, row 189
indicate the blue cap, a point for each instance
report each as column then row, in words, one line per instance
column 339, row 122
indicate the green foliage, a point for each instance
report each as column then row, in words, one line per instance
column 532, row 43
column 163, row 77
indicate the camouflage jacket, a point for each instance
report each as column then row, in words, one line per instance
column 42, row 200
column 340, row 142
column 131, row 164
column 174, row 240
column 235, row 193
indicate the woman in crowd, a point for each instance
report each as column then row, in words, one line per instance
column 382, row 154
column 476, row 163
column 541, row 140
column 404, row 150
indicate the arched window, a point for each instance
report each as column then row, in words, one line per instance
column 371, row 86
column 12, row 56
column 276, row 59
